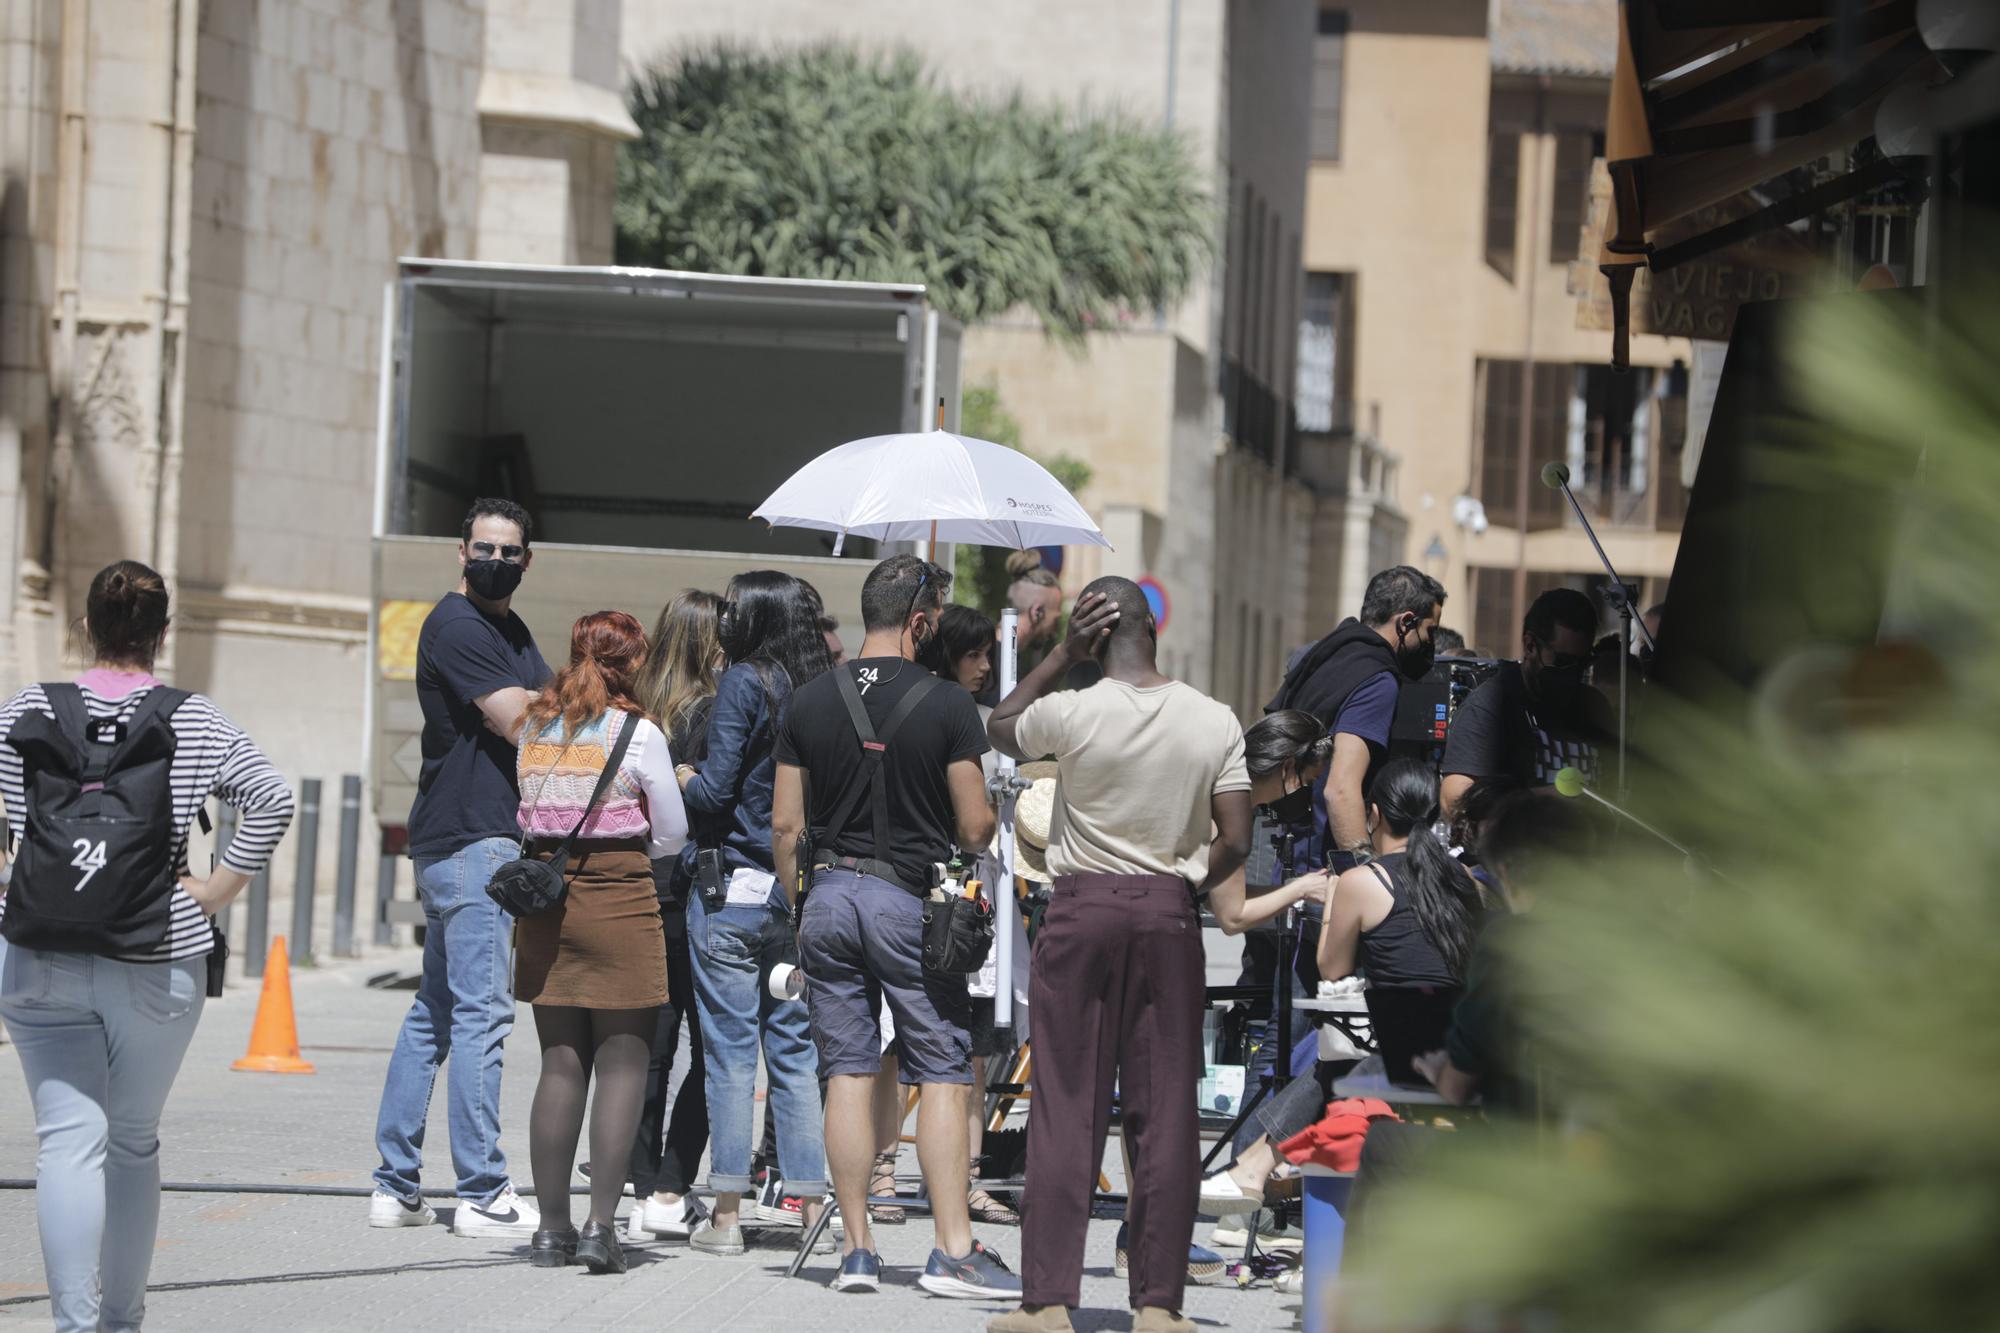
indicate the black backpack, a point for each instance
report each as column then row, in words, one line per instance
column 95, row 873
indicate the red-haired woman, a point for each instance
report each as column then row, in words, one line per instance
column 594, row 966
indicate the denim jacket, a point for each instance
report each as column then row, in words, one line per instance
column 730, row 795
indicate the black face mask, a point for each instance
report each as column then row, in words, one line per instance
column 1415, row 656
column 1294, row 807
column 1555, row 688
column 495, row 580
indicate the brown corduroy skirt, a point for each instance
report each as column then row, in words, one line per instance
column 602, row 946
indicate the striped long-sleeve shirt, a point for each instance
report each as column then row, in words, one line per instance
column 212, row 756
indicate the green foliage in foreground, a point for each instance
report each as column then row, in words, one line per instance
column 826, row 163
column 1784, row 1086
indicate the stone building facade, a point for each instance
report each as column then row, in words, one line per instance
column 203, row 203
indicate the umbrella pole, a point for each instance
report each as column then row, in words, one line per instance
column 1003, row 936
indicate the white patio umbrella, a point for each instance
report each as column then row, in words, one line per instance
column 933, row 486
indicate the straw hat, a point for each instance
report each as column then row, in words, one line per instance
column 1034, row 811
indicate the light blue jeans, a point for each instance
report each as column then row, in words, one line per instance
column 101, row 1043
column 464, row 1004
column 733, row 950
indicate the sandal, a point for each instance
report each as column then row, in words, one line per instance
column 882, row 1184
column 985, row 1208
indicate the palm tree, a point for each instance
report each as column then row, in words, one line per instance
column 823, row 162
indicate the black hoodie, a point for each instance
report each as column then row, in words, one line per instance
column 1332, row 669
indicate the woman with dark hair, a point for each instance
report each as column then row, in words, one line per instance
column 1408, row 916
column 102, row 996
column 962, row 649
column 738, row 924
column 1286, row 752
column 594, row 965
column 676, row 687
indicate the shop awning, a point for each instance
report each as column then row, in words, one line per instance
column 1713, row 98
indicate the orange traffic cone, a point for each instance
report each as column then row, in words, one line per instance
column 274, row 1038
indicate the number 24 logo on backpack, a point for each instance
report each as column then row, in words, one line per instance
column 89, row 859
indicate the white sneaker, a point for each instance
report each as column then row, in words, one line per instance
column 1221, row 1196
column 675, row 1221
column 507, row 1215
column 386, row 1210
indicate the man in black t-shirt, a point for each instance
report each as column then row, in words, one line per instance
column 477, row 668
column 861, row 926
column 1535, row 718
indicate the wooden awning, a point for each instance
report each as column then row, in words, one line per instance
column 1711, row 98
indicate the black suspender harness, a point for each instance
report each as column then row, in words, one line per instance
column 872, row 783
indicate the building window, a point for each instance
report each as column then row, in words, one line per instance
column 1496, row 620
column 1323, row 387
column 1329, row 69
column 1503, row 198
column 1500, row 440
column 1576, row 150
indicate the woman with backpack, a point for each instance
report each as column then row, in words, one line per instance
column 738, row 923
column 105, row 932
column 594, row 965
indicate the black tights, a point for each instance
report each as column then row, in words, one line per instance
column 614, row 1046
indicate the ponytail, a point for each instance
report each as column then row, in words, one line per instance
column 606, row 651
column 1440, row 891
column 1288, row 736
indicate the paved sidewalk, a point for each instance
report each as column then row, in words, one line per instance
column 246, row 1260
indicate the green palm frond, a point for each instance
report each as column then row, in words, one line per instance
column 826, row 163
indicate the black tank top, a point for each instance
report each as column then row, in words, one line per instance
column 1397, row 952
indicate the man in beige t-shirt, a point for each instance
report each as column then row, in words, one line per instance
column 1153, row 805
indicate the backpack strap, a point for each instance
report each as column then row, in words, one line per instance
column 873, row 748
column 73, row 719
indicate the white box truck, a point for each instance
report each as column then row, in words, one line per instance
column 640, row 416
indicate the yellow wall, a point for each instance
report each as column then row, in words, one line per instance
column 1405, row 209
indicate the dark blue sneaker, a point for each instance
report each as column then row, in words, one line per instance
column 861, row 1270
column 978, row 1276
column 1205, row 1267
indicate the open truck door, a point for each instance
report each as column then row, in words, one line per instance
column 639, row 416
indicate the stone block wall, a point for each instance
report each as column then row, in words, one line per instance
column 331, row 139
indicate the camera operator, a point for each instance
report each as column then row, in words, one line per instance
column 1350, row 680
column 1536, row 717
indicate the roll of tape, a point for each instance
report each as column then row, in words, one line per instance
column 785, row 982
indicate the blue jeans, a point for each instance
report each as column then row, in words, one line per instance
column 100, row 1042
column 733, row 950
column 465, row 1002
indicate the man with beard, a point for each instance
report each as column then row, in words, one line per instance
column 1350, row 680
column 477, row 670
column 1535, row 718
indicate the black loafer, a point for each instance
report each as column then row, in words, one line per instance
column 598, row 1250
column 552, row 1249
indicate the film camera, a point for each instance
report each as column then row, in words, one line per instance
column 1425, row 708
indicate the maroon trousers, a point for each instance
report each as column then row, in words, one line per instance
column 1116, row 1000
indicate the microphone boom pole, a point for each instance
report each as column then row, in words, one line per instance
column 1555, row 476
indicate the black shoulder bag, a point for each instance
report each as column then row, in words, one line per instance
column 527, row 887
column 957, row 931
